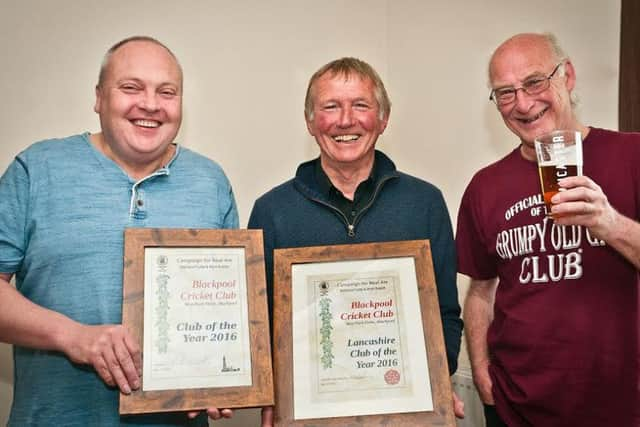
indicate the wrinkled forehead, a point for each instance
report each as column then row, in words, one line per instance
column 143, row 59
column 337, row 78
column 514, row 62
column 343, row 76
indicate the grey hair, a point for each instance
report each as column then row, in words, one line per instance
column 558, row 51
column 560, row 56
column 347, row 67
column 115, row 47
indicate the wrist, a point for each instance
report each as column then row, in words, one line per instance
column 613, row 228
column 481, row 365
column 64, row 334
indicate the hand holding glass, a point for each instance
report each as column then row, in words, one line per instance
column 559, row 155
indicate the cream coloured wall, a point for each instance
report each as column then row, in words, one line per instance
column 246, row 68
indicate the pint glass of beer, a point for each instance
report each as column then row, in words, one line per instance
column 559, row 155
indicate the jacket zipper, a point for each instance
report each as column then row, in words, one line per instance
column 351, row 227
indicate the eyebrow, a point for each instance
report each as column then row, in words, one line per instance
column 144, row 82
column 529, row 77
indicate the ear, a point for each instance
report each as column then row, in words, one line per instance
column 96, row 106
column 309, row 125
column 569, row 75
column 383, row 125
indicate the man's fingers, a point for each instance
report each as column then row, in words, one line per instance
column 458, row 406
column 214, row 413
column 103, row 370
column 113, row 365
column 111, row 351
column 118, row 376
column 578, row 181
column 109, row 370
column 134, row 351
column 126, row 364
column 267, row 416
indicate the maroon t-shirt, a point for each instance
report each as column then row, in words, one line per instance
column 564, row 342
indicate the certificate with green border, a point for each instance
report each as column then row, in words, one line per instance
column 195, row 299
column 358, row 337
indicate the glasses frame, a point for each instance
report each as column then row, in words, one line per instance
column 547, row 79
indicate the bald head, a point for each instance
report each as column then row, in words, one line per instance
column 106, row 61
column 545, row 46
column 531, row 60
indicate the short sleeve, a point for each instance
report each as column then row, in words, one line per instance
column 474, row 258
column 231, row 215
column 14, row 196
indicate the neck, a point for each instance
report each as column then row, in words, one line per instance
column 347, row 176
column 136, row 169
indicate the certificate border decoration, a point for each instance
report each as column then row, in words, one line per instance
column 438, row 373
column 326, row 328
column 261, row 391
column 162, row 280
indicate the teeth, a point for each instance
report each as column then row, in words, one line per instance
column 534, row 118
column 146, row 123
column 344, row 138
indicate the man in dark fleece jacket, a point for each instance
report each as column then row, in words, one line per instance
column 353, row 193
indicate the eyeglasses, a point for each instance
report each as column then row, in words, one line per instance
column 533, row 86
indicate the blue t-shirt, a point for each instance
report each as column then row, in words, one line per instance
column 63, row 213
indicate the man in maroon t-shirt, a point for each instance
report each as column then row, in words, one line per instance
column 552, row 315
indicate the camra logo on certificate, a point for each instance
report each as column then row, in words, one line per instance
column 195, row 301
column 358, row 349
column 196, row 334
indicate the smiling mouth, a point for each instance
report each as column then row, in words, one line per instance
column 526, row 121
column 346, row 138
column 146, row 123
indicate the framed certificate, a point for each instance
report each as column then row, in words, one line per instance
column 358, row 337
column 196, row 302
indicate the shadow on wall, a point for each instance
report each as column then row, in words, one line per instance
column 502, row 140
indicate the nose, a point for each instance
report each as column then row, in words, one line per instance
column 524, row 101
column 346, row 118
column 149, row 101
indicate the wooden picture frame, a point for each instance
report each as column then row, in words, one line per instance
column 193, row 339
column 340, row 276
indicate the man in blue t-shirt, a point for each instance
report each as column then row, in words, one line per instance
column 65, row 205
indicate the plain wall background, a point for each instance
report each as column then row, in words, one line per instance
column 247, row 64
